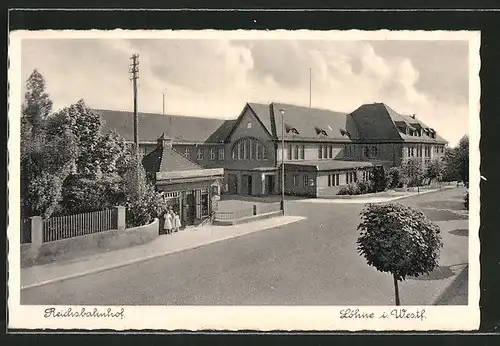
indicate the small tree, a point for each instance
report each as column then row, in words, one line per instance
column 380, row 179
column 434, row 170
column 412, row 171
column 394, row 177
column 398, row 240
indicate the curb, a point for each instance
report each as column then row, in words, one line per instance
column 147, row 258
column 447, row 294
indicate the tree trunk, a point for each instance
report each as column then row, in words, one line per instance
column 396, row 289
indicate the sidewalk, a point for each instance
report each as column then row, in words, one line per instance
column 164, row 245
column 372, row 198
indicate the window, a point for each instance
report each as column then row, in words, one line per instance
column 258, row 154
column 221, row 153
column 366, row 152
column 351, row 177
column 333, row 180
column 302, row 152
column 186, row 153
column 320, row 152
column 306, row 180
column 289, row 152
column 246, row 144
column 211, row 153
column 199, row 154
column 374, row 151
column 294, row 180
column 253, row 149
column 296, row 152
column 241, row 151
column 325, row 152
column 264, row 153
column 330, row 152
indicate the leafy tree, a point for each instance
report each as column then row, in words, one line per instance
column 456, row 162
column 394, row 177
column 398, row 240
column 412, row 171
column 37, row 105
column 46, row 158
column 435, row 170
column 380, row 179
column 143, row 202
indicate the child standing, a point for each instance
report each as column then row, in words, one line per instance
column 177, row 222
column 168, row 222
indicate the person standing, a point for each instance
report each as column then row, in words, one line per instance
column 177, row 222
column 168, row 222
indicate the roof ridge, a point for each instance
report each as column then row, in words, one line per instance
column 187, row 158
column 156, row 114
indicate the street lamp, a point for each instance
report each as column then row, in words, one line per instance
column 282, row 111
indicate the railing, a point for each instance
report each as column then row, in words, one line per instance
column 70, row 226
column 25, row 231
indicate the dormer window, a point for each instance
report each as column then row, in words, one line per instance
column 291, row 129
column 320, row 132
column 344, row 133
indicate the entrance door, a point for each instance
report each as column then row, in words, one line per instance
column 232, row 184
column 269, row 184
column 249, row 185
column 189, row 209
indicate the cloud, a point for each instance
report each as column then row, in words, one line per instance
column 215, row 78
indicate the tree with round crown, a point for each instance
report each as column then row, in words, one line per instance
column 398, row 240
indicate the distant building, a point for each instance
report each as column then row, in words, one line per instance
column 323, row 150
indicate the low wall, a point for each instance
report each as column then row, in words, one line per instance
column 248, row 219
column 81, row 246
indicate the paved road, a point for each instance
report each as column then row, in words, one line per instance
column 311, row 262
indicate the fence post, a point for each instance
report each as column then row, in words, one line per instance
column 255, row 209
column 120, row 217
column 36, row 233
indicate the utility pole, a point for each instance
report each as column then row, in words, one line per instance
column 134, row 76
column 282, row 111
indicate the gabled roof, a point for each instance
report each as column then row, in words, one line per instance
column 263, row 114
column 307, row 121
column 151, row 126
column 411, row 121
column 377, row 121
column 167, row 159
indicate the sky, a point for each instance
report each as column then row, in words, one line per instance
column 216, row 77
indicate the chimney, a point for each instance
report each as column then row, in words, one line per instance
column 164, row 142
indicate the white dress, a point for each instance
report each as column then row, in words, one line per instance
column 168, row 221
column 177, row 222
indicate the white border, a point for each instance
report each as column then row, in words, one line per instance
column 241, row 317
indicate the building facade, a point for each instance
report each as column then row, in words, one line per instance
column 323, row 150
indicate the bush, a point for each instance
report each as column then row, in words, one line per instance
column 394, row 178
column 351, row 189
column 398, row 240
column 365, row 187
column 380, row 179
